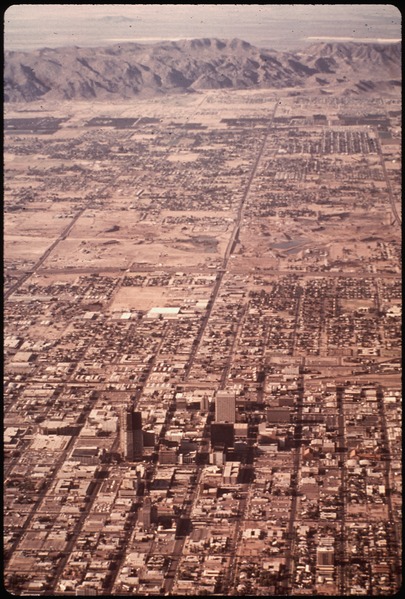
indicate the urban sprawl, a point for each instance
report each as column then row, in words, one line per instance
column 202, row 337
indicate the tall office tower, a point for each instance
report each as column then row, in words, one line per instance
column 225, row 406
column 144, row 514
column 131, row 434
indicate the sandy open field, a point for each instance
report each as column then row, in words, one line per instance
column 125, row 220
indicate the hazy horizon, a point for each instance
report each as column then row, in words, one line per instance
column 29, row 27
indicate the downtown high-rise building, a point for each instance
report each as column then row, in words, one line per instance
column 225, row 406
column 145, row 513
column 131, row 434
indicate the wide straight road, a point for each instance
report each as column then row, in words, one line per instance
column 231, row 243
column 44, row 256
column 289, row 553
column 396, row 215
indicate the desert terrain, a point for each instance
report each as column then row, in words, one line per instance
column 166, row 251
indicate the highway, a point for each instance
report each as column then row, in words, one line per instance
column 397, row 217
column 42, row 259
column 186, row 509
column 231, row 245
column 342, row 569
column 286, row 584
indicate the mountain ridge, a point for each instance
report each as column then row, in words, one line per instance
column 132, row 69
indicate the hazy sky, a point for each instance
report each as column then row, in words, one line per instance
column 30, row 26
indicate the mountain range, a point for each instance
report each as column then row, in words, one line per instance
column 131, row 69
